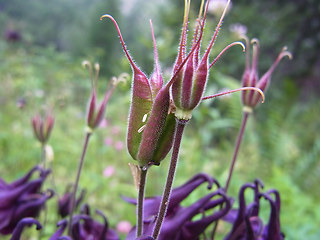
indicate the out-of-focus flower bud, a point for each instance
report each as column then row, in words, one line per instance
column 42, row 127
column 95, row 114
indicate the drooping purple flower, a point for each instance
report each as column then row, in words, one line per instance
column 64, row 203
column 21, row 198
column 16, row 235
column 62, row 225
column 250, row 78
column 178, row 223
column 85, row 227
column 246, row 223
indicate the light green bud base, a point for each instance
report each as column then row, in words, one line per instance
column 247, row 109
column 183, row 114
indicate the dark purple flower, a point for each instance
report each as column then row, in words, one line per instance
column 57, row 235
column 247, row 225
column 64, row 203
column 178, row 223
column 21, row 198
column 12, row 35
column 84, row 227
column 20, row 226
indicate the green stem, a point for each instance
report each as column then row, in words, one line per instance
column 73, row 196
column 180, row 124
column 142, row 184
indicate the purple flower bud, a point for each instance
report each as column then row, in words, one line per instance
column 42, row 127
column 21, row 199
column 250, row 78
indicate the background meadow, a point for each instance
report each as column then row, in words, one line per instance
column 42, row 70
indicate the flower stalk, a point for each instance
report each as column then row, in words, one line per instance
column 76, row 183
column 180, row 125
column 236, row 149
column 142, row 184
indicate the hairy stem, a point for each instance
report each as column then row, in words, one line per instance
column 180, row 124
column 76, row 183
column 142, row 184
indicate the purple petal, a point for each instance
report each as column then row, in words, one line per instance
column 20, row 226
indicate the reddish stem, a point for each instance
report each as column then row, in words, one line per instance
column 180, row 124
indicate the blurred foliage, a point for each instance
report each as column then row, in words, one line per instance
column 43, row 70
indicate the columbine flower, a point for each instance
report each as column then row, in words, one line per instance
column 42, row 127
column 21, row 198
column 16, row 235
column 247, row 225
column 178, row 223
column 85, row 227
column 64, row 203
column 61, row 228
column 250, row 78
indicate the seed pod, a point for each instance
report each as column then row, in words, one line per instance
column 150, row 129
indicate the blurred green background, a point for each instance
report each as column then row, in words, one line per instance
column 42, row 45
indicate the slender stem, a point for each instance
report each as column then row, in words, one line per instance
column 43, row 155
column 233, row 162
column 180, row 124
column 236, row 149
column 73, row 197
column 43, row 160
column 142, row 184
